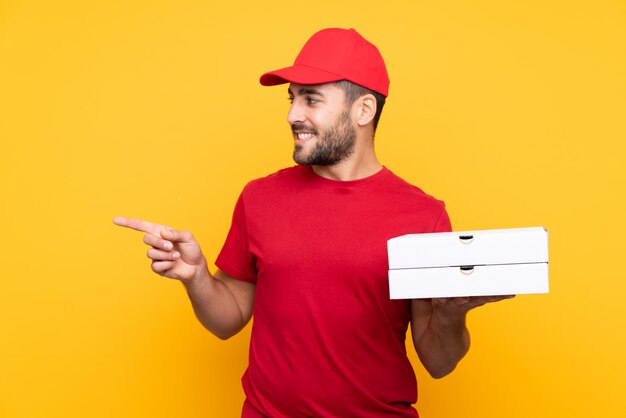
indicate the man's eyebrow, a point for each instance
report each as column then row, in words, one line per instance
column 305, row 90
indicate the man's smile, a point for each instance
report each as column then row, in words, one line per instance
column 303, row 136
column 303, row 133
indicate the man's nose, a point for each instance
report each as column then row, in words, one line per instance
column 295, row 114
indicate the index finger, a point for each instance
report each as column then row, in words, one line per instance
column 139, row 225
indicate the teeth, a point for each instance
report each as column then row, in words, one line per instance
column 305, row 136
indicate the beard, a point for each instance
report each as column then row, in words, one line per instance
column 332, row 145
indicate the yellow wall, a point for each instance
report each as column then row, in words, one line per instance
column 512, row 112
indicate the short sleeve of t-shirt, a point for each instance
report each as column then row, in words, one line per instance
column 235, row 258
column 443, row 222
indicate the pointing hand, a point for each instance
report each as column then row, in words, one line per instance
column 174, row 254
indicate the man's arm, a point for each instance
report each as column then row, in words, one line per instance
column 222, row 303
column 439, row 330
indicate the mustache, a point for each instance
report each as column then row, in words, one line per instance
column 302, row 127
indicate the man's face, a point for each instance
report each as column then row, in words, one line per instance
column 321, row 124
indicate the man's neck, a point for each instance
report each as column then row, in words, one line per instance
column 350, row 169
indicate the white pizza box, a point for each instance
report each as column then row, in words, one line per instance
column 469, row 263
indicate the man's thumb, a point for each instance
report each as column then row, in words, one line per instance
column 169, row 234
column 177, row 236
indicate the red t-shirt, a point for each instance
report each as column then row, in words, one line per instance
column 326, row 339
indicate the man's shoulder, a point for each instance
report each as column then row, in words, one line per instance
column 400, row 185
column 286, row 173
column 281, row 178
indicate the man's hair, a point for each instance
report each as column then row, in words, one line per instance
column 354, row 91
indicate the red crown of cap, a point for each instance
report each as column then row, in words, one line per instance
column 333, row 55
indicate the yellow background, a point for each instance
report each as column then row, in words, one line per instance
column 511, row 112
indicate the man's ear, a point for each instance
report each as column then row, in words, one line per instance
column 366, row 109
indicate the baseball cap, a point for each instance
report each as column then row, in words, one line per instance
column 331, row 55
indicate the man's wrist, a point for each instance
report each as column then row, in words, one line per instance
column 201, row 277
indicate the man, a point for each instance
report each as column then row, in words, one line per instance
column 306, row 253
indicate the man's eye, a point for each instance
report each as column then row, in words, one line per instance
column 311, row 100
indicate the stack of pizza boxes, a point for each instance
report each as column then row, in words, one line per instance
column 470, row 263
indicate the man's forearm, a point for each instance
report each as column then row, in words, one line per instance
column 443, row 344
column 214, row 305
